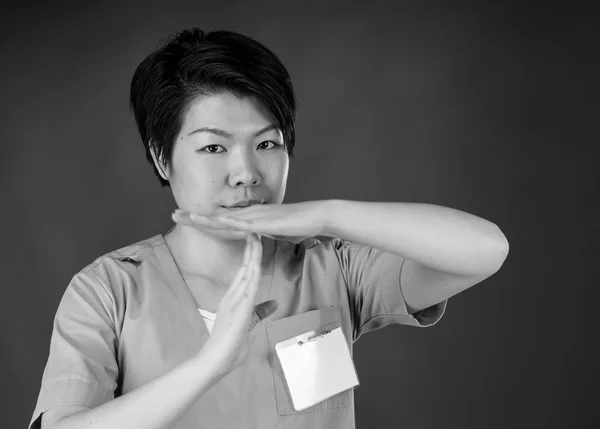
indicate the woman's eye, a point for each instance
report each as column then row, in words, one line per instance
column 209, row 151
column 208, row 148
column 269, row 141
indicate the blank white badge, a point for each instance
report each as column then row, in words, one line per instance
column 316, row 366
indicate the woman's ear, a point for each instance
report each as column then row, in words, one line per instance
column 162, row 169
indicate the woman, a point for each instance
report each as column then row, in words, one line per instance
column 181, row 330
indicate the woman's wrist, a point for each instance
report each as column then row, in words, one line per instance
column 209, row 356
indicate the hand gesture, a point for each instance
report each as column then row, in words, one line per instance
column 291, row 222
column 236, row 313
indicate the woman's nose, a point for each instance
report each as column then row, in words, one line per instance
column 245, row 181
column 245, row 172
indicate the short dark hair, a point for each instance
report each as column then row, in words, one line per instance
column 194, row 63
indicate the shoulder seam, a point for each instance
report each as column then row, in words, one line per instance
column 112, row 254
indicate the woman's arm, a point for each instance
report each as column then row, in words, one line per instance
column 446, row 250
column 156, row 404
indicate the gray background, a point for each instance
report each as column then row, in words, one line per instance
column 487, row 109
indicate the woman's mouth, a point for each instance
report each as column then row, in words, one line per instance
column 240, row 207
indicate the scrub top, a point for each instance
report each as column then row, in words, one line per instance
column 128, row 317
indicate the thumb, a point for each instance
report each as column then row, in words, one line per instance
column 262, row 311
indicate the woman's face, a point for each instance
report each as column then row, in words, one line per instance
column 228, row 150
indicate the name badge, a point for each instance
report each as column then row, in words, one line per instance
column 316, row 365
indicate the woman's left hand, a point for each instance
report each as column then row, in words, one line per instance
column 291, row 222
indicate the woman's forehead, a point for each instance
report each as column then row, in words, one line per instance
column 226, row 110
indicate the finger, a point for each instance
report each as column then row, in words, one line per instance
column 203, row 220
column 245, row 271
column 181, row 217
column 242, row 271
column 265, row 309
column 249, row 283
column 254, row 262
column 248, row 225
column 209, row 224
column 224, row 226
column 251, row 245
column 262, row 311
column 231, row 220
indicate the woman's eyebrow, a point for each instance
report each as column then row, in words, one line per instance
column 223, row 133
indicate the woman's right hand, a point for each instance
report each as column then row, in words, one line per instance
column 236, row 313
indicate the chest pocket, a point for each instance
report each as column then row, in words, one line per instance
column 288, row 327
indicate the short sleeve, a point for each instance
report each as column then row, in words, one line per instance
column 82, row 367
column 373, row 280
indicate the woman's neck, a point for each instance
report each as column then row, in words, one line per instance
column 200, row 254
